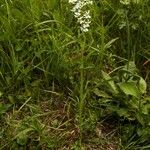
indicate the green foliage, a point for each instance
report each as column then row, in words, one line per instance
column 94, row 75
column 123, row 94
column 3, row 109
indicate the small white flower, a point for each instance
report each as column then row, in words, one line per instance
column 82, row 15
column 125, row 2
column 128, row 2
column 73, row 1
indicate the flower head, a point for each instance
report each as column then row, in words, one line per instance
column 80, row 12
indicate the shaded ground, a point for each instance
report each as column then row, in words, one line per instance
column 51, row 125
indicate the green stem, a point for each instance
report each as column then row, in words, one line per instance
column 128, row 41
column 81, row 96
column 81, row 103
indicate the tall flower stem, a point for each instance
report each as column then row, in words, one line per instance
column 82, row 14
column 81, row 94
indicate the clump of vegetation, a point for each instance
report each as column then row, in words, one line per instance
column 75, row 74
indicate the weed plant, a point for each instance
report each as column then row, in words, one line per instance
column 61, row 88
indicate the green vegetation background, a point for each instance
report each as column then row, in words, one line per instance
column 42, row 54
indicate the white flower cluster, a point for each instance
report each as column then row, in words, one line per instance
column 128, row 2
column 82, row 15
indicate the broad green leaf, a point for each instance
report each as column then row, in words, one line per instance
column 99, row 93
column 129, row 88
column 110, row 82
column 142, row 85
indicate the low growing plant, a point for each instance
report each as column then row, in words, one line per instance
column 122, row 93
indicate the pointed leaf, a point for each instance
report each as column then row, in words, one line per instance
column 142, row 85
column 109, row 44
column 110, row 81
column 129, row 88
column 99, row 93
